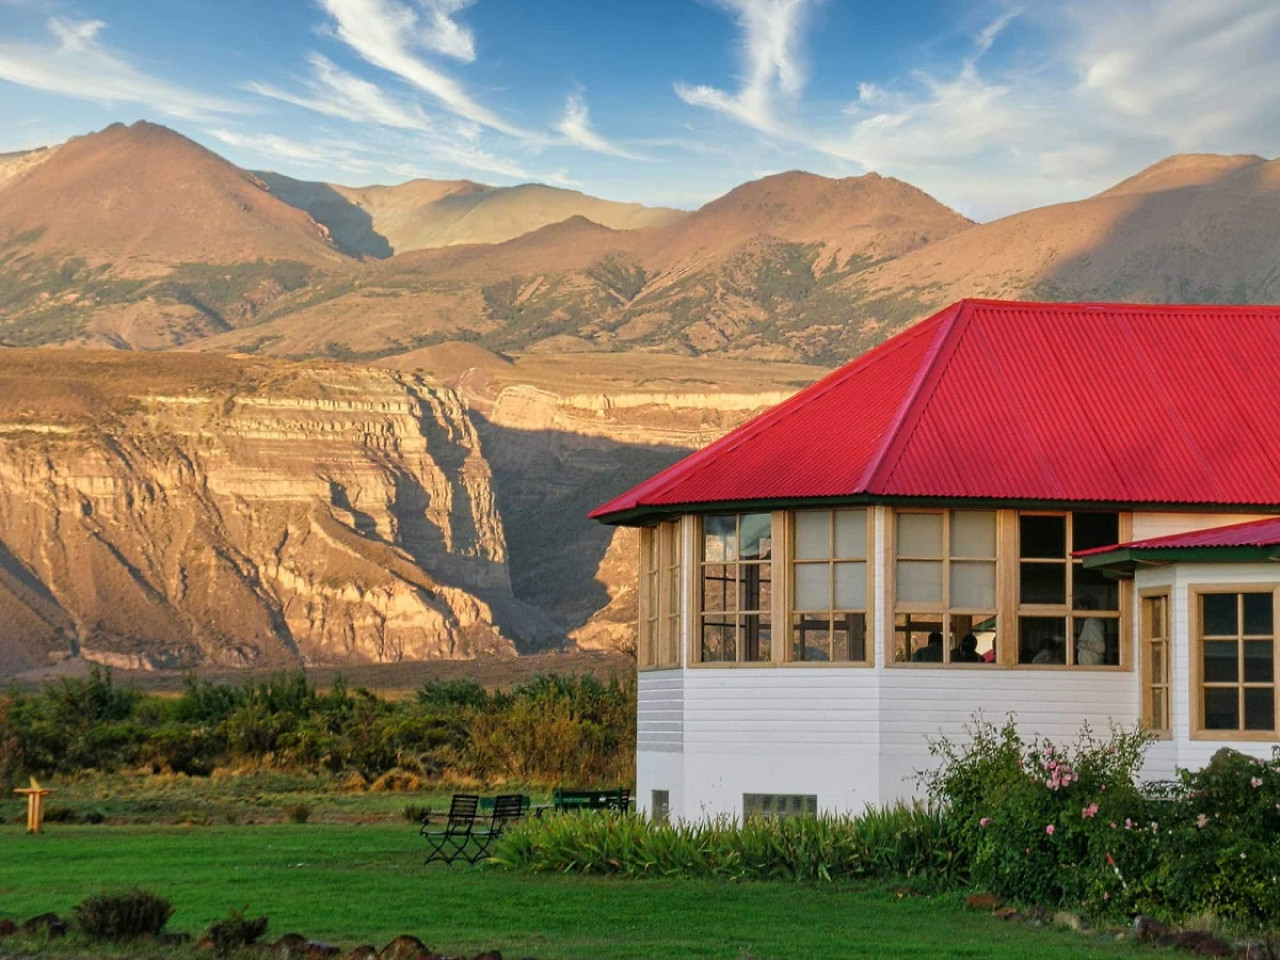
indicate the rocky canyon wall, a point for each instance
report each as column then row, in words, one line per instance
column 303, row 514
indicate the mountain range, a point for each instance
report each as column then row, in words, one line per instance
column 411, row 394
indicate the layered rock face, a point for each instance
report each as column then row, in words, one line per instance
column 299, row 514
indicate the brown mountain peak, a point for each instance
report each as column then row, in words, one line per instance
column 1184, row 170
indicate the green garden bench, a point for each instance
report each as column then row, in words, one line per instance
column 467, row 832
column 564, row 800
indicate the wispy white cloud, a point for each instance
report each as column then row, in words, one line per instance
column 773, row 31
column 337, row 93
column 388, row 34
column 1192, row 73
column 576, row 128
column 78, row 64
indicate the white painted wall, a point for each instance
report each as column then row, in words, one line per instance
column 857, row 736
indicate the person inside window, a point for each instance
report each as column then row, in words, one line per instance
column 969, row 650
column 1091, row 645
column 930, row 652
column 1053, row 651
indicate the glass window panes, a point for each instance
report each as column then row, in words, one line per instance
column 920, row 534
column 1042, row 536
column 1093, row 590
column 720, row 538
column 1257, row 615
column 1221, row 708
column 1259, row 661
column 973, row 534
column 1042, row 640
column 813, row 586
column 850, row 586
column 1220, row 614
column 1220, row 661
column 755, row 538
column 851, row 534
column 1090, row 530
column 1259, row 708
column 920, row 581
column 1042, row 582
column 813, row 535
column 973, row 585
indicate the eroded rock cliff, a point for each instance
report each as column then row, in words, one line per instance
column 179, row 510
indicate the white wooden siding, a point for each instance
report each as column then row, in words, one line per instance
column 660, row 711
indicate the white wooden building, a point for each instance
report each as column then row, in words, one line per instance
column 1064, row 512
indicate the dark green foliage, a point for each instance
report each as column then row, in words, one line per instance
column 545, row 731
column 121, row 916
column 235, row 932
column 298, row 812
column 1073, row 827
column 624, row 279
column 900, row 842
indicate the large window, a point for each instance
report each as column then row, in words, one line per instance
column 735, row 618
column 829, row 586
column 1236, row 656
column 1155, row 664
column 1066, row 614
column 945, row 605
column 658, row 643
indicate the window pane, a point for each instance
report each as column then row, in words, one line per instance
column 850, row 639
column 1259, row 708
column 756, row 536
column 1221, row 709
column 719, row 535
column 1220, row 614
column 1157, row 717
column 1091, row 590
column 813, row 535
column 717, row 642
column 810, row 637
column 756, row 637
column 1220, row 664
column 1157, row 653
column 851, row 534
column 1258, row 662
column 757, row 592
column 1257, row 615
column 973, row 585
column 973, row 534
column 719, row 588
column 1094, row 530
column 851, row 586
column 920, row 581
column 813, row 591
column 1043, row 582
column 1043, row 536
column 920, row 534
column 1042, row 640
column 1097, row 641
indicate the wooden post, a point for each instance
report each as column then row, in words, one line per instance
column 35, row 795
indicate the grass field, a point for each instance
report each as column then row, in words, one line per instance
column 364, row 883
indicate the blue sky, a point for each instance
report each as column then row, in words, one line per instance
column 990, row 105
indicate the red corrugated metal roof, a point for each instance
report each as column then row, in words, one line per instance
column 1122, row 403
column 1255, row 533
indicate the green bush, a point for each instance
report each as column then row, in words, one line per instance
column 120, row 916
column 235, row 932
column 896, row 842
column 298, row 812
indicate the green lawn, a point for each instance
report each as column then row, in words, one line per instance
column 353, row 883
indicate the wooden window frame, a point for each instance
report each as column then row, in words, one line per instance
column 1067, row 610
column 1154, row 639
column 894, row 608
column 660, row 601
column 777, row 607
column 1195, row 620
column 790, row 562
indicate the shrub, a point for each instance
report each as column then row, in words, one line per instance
column 897, row 842
column 236, row 931
column 120, row 916
column 298, row 812
column 1048, row 825
column 415, row 812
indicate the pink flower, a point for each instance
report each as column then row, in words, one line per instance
column 1113, row 824
column 1049, row 829
column 985, row 821
column 1256, row 782
column 1128, row 824
column 1105, row 895
column 1201, row 821
column 1090, row 811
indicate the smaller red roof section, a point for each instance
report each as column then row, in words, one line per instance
column 1255, row 533
column 996, row 400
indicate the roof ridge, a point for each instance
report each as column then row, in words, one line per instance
column 902, row 425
